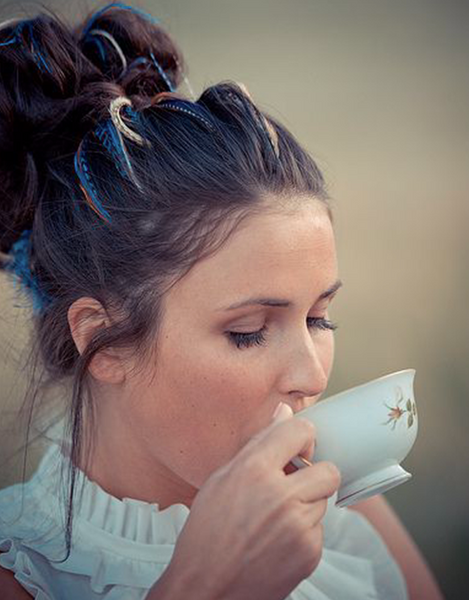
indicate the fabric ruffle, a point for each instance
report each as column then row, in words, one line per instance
column 121, row 547
column 18, row 561
column 338, row 577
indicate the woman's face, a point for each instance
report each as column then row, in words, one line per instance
column 216, row 382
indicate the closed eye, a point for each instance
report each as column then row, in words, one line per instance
column 247, row 339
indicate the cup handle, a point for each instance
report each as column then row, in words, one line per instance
column 300, row 462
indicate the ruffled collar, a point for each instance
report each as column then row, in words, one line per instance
column 130, row 542
column 107, row 519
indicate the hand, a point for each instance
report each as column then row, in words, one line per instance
column 254, row 531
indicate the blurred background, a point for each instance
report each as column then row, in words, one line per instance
column 378, row 91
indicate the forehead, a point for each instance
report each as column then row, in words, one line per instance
column 270, row 253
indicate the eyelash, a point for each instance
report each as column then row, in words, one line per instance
column 245, row 340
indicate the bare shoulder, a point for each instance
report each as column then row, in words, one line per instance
column 420, row 580
column 11, row 589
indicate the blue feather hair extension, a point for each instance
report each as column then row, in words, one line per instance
column 112, row 40
column 162, row 73
column 111, row 139
column 15, row 38
column 18, row 38
column 190, row 108
column 106, row 134
column 92, row 39
column 122, row 6
column 144, row 60
column 37, row 55
column 19, row 267
column 86, row 185
column 12, row 40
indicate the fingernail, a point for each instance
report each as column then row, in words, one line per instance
column 282, row 411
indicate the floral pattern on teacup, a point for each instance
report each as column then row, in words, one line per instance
column 397, row 412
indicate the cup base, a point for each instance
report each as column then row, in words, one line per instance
column 375, row 483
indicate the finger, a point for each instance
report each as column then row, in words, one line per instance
column 300, row 462
column 312, row 513
column 297, row 462
column 282, row 413
column 280, row 442
column 321, row 480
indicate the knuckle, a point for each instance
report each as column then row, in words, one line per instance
column 322, row 507
column 334, row 473
column 289, row 500
column 252, row 464
column 308, row 425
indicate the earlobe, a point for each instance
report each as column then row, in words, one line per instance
column 107, row 367
column 85, row 317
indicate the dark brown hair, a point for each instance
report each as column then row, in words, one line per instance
column 115, row 217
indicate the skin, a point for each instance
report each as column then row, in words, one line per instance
column 421, row 583
column 164, row 430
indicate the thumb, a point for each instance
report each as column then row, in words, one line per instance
column 281, row 413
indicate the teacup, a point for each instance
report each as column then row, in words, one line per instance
column 366, row 431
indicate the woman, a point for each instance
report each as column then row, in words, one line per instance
column 180, row 259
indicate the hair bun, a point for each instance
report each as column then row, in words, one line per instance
column 57, row 82
column 131, row 48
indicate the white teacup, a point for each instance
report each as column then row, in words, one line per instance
column 366, row 431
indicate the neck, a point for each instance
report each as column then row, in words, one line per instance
column 121, row 465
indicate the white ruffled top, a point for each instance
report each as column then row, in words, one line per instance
column 121, row 547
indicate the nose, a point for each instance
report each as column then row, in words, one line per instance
column 304, row 374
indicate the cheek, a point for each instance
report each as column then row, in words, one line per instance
column 328, row 358
column 326, row 352
column 199, row 410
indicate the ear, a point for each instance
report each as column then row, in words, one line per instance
column 85, row 316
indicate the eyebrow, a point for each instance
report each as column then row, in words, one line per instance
column 280, row 302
